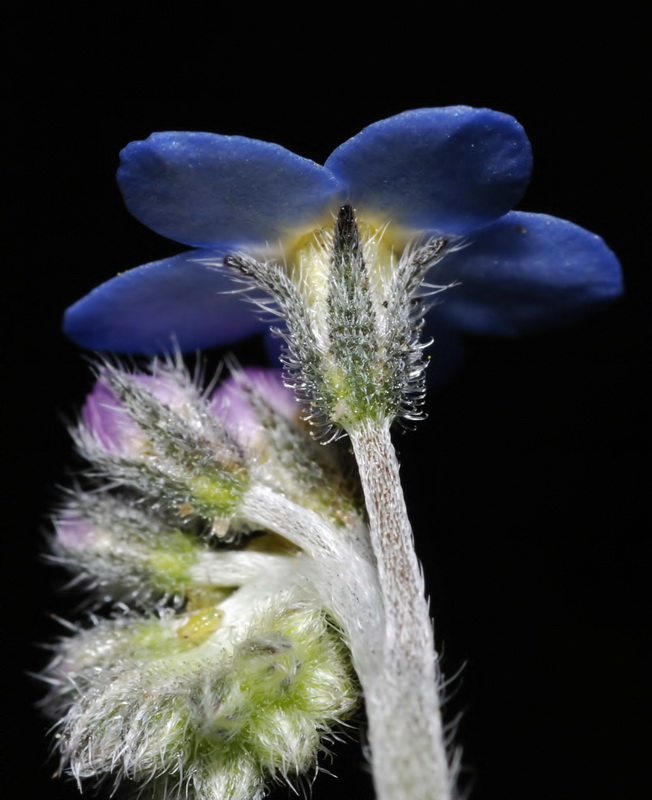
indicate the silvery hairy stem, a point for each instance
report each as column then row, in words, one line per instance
column 405, row 729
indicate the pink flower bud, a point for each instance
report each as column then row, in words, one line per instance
column 112, row 424
column 234, row 402
column 74, row 532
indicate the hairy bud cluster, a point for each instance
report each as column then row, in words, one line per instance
column 224, row 707
column 210, row 523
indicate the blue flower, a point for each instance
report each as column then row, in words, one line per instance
column 443, row 171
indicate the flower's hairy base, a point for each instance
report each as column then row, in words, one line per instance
column 354, row 310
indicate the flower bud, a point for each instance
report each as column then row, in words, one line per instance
column 203, row 708
column 111, row 422
column 130, row 553
column 124, row 550
column 247, row 398
column 155, row 432
column 263, row 414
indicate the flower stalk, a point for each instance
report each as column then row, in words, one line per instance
column 405, row 728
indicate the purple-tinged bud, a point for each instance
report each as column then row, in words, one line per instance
column 235, row 403
column 111, row 423
column 156, row 433
column 124, row 548
column 75, row 533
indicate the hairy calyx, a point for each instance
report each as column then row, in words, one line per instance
column 354, row 307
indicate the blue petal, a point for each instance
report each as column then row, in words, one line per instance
column 204, row 189
column 526, row 272
column 447, row 170
column 177, row 302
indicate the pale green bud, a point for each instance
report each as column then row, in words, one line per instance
column 198, row 708
column 130, row 553
column 126, row 550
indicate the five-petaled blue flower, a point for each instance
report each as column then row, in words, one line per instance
column 443, row 171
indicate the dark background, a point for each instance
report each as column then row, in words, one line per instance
column 525, row 485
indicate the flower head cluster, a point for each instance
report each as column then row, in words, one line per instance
column 221, row 535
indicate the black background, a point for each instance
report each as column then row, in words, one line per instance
column 525, row 485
